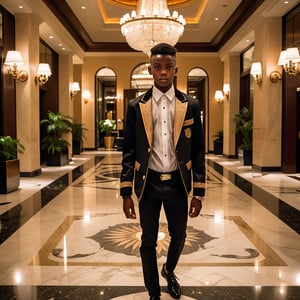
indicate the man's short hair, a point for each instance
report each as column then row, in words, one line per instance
column 164, row 49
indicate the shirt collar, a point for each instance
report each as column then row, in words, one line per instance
column 157, row 94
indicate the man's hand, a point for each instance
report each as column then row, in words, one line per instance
column 128, row 207
column 195, row 207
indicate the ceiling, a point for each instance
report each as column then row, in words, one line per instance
column 93, row 25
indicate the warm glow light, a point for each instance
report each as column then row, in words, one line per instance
column 150, row 25
column 87, row 217
column 219, row 95
column 13, row 61
column 75, row 88
column 86, row 95
column 226, row 89
column 298, row 278
column 13, row 58
column 289, row 59
column 18, row 277
column 65, row 254
column 43, row 74
column 256, row 72
column 219, row 217
column 256, row 266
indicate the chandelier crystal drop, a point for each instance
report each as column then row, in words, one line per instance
column 150, row 25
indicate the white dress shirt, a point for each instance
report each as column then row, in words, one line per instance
column 163, row 158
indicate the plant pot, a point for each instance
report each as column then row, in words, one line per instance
column 58, row 159
column 76, row 147
column 109, row 142
column 247, row 156
column 218, row 147
column 9, row 176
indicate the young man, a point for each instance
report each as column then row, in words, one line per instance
column 164, row 155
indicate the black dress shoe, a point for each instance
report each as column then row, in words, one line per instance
column 154, row 298
column 173, row 285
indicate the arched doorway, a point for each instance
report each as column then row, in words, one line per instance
column 140, row 82
column 197, row 87
column 106, row 99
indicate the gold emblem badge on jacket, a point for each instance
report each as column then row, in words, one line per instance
column 188, row 133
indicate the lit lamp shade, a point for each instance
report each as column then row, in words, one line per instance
column 293, row 54
column 282, row 58
column 86, row 94
column 256, row 69
column 75, row 87
column 13, row 58
column 219, row 95
column 226, row 88
column 44, row 69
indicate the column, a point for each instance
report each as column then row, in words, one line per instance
column 27, row 94
column 267, row 105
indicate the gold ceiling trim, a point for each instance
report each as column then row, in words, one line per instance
column 113, row 21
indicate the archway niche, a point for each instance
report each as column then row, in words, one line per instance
column 106, row 98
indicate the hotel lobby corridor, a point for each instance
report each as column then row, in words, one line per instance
column 64, row 236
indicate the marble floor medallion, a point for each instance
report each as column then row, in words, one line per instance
column 101, row 240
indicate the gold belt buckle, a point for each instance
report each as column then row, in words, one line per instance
column 164, row 177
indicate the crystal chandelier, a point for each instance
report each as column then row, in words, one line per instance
column 150, row 25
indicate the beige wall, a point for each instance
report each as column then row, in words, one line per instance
column 123, row 64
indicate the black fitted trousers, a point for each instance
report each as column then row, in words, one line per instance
column 171, row 195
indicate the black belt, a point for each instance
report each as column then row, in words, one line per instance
column 163, row 176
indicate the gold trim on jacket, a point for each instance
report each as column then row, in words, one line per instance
column 179, row 115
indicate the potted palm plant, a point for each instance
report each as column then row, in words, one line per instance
column 244, row 122
column 106, row 127
column 9, row 164
column 77, row 136
column 57, row 125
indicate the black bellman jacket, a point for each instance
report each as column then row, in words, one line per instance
column 188, row 143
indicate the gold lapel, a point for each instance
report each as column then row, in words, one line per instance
column 179, row 115
column 146, row 111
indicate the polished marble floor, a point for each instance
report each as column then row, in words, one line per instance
column 63, row 236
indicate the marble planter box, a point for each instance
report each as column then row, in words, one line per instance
column 9, row 176
column 58, row 159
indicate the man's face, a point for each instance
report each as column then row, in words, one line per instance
column 163, row 69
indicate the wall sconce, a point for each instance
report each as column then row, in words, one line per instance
column 75, row 88
column 13, row 61
column 275, row 76
column 86, row 95
column 226, row 89
column 43, row 74
column 219, row 96
column 256, row 72
column 289, row 59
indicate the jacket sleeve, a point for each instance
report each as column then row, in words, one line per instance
column 198, row 152
column 129, row 151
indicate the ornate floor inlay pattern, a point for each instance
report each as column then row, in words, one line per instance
column 79, row 242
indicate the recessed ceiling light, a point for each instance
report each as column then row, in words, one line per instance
column 216, row 19
column 63, row 48
column 20, row 6
column 83, row 7
column 286, row 2
column 51, row 36
column 59, row 45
